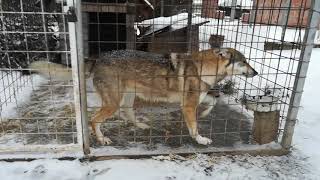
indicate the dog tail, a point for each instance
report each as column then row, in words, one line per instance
column 51, row 70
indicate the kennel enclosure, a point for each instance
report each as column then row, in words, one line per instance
column 42, row 115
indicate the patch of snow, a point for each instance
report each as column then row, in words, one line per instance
column 250, row 41
column 55, row 28
column 149, row 4
column 159, row 23
column 11, row 140
column 20, row 151
column 244, row 35
column 306, row 137
column 261, row 103
column 247, row 4
column 137, row 29
column 13, row 93
column 184, row 23
column 171, row 167
column 197, row 2
column 143, row 149
column 236, row 105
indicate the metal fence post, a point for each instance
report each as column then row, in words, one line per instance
column 189, row 41
column 233, row 10
column 82, row 80
column 77, row 60
column 285, row 17
column 162, row 8
column 310, row 31
column 253, row 12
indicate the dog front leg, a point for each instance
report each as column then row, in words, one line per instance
column 189, row 114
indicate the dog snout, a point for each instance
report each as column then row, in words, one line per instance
column 251, row 73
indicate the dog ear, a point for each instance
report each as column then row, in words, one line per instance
column 223, row 52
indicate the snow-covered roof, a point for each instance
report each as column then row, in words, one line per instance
column 159, row 23
column 149, row 4
column 197, row 2
column 243, row 3
column 174, row 22
column 164, row 20
column 184, row 23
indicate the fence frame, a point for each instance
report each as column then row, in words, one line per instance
column 53, row 150
column 82, row 148
column 309, row 38
column 281, row 148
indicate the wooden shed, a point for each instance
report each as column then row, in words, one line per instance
column 273, row 12
column 109, row 24
column 170, row 34
column 209, row 8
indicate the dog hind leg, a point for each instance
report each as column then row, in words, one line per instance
column 127, row 105
column 111, row 102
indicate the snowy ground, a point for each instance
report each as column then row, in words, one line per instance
column 15, row 86
column 194, row 168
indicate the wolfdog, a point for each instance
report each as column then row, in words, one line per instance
column 121, row 76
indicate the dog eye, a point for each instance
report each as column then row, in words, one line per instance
column 242, row 63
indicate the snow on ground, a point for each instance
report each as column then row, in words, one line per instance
column 306, row 138
column 247, row 4
column 196, row 167
column 15, row 90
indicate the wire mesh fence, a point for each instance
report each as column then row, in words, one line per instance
column 35, row 110
column 160, row 76
column 270, row 34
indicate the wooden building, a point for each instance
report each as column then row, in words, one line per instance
column 109, row 24
column 170, row 34
column 274, row 12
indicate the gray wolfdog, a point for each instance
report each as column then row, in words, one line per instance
column 121, row 76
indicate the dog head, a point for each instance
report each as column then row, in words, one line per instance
column 234, row 62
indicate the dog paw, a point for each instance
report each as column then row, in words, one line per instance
column 203, row 140
column 104, row 141
column 142, row 125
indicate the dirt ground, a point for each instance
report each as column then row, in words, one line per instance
column 45, row 122
column 224, row 125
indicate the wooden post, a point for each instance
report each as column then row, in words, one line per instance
column 131, row 33
column 85, row 32
column 308, row 41
column 253, row 12
column 162, row 8
column 216, row 41
column 266, row 117
column 209, row 8
column 189, row 35
column 265, row 126
column 233, row 10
